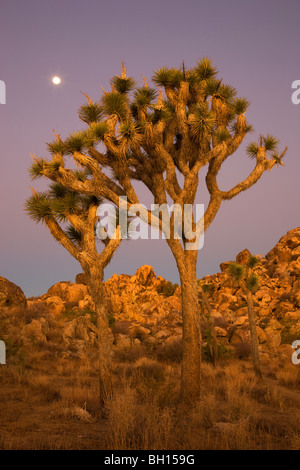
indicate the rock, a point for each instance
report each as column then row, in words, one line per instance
column 168, row 309
column 139, row 331
column 87, row 303
column 240, row 335
column 261, row 335
column 264, row 312
column 80, row 328
column 35, row 332
column 243, row 256
column 145, row 275
column 162, row 334
column 286, row 351
column 123, row 341
column 220, row 331
column 81, row 278
column 273, row 334
column 55, row 305
column 69, row 292
column 294, row 316
column 11, row 295
column 241, row 320
column 225, row 266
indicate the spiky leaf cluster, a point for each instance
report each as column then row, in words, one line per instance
column 236, row 271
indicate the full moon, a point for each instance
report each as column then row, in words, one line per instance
column 56, row 80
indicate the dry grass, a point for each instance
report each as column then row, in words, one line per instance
column 288, row 376
column 40, row 398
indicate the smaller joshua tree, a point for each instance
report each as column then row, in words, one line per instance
column 71, row 218
column 249, row 282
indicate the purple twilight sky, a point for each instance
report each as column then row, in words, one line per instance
column 255, row 46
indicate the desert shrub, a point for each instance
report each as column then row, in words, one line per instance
column 70, row 305
column 145, row 369
column 136, row 426
column 242, row 349
column 221, row 322
column 289, row 334
column 169, row 352
column 288, row 376
column 132, row 354
column 121, row 327
column 168, row 289
column 207, row 288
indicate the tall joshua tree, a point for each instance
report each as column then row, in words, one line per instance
column 162, row 136
column 249, row 282
column 71, row 219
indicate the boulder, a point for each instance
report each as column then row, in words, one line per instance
column 243, row 256
column 220, row 331
column 55, row 305
column 69, row 292
column 145, row 275
column 81, row 278
column 35, row 332
column 11, row 295
column 80, row 328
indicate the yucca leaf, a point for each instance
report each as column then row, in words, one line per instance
column 252, row 283
column 91, row 112
column 39, row 207
column 78, row 141
column 240, row 105
column 168, row 77
column 201, row 121
column 57, row 190
column 56, row 147
column 129, row 132
column 211, row 87
column 36, row 169
column 204, row 69
column 236, row 271
column 74, row 234
column 161, row 114
column 226, row 93
column 252, row 150
column 88, row 201
column 68, row 205
column 222, row 135
column 270, row 143
column 144, row 97
column 252, row 261
column 115, row 103
column 122, row 85
column 98, row 131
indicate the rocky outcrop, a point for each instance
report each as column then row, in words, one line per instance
column 69, row 292
column 11, row 295
column 145, row 309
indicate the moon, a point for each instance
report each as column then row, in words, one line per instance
column 56, row 80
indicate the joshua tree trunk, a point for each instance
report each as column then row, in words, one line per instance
column 253, row 332
column 191, row 340
column 105, row 337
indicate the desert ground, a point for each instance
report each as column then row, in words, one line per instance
column 49, row 393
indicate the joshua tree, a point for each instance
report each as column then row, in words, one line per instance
column 249, row 281
column 163, row 136
column 71, row 218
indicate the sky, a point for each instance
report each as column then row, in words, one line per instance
column 255, row 46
